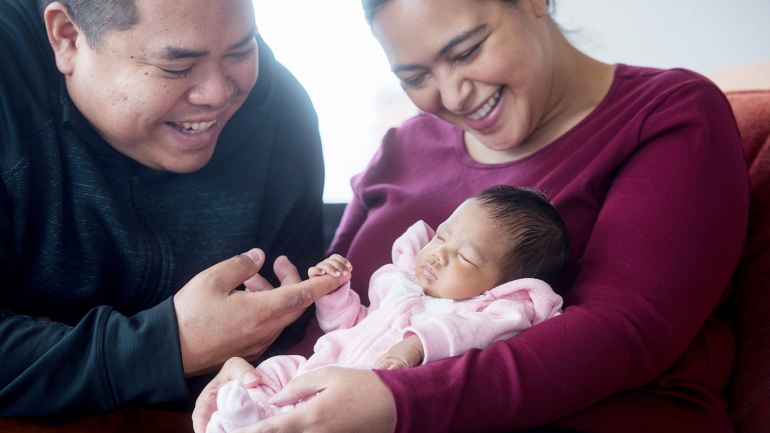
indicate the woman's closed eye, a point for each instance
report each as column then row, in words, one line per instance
column 468, row 55
column 413, row 81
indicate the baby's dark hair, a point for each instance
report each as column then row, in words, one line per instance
column 539, row 242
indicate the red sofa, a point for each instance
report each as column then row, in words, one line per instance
column 748, row 306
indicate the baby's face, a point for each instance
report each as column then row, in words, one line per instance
column 463, row 259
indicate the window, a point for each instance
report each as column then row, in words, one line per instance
column 328, row 46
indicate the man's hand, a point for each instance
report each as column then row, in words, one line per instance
column 407, row 353
column 217, row 322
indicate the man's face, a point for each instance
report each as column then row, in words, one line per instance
column 162, row 91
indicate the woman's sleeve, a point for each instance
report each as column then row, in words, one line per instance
column 352, row 219
column 655, row 267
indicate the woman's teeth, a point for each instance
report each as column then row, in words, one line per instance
column 483, row 111
column 196, row 127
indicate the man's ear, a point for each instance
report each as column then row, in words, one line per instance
column 63, row 34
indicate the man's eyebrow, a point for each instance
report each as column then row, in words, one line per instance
column 462, row 37
column 245, row 40
column 177, row 53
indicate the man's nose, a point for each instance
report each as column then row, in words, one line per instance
column 214, row 90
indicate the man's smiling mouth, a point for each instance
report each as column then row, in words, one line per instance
column 194, row 127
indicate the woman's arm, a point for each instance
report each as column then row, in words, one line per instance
column 352, row 219
column 655, row 267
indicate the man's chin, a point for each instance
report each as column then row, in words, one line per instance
column 187, row 167
column 185, row 163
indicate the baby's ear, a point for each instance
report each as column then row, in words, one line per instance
column 63, row 36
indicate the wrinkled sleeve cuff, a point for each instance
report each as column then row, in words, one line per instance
column 143, row 357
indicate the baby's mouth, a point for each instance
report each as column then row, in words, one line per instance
column 193, row 127
column 428, row 271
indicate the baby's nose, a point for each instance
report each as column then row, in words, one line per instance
column 438, row 256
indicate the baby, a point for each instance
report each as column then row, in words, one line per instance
column 483, row 276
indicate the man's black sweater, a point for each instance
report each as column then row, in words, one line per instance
column 100, row 243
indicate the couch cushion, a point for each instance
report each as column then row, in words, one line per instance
column 749, row 304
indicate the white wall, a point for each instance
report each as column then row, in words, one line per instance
column 328, row 46
column 702, row 35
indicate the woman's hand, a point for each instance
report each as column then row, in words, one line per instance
column 335, row 399
column 206, row 404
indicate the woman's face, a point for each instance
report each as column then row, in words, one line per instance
column 483, row 65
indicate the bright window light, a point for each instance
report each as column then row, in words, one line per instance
column 328, row 46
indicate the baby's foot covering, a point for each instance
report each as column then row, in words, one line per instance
column 236, row 409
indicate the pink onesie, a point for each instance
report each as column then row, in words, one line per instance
column 399, row 308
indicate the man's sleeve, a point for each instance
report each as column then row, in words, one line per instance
column 105, row 362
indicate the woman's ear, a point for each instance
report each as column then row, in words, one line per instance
column 63, row 34
column 539, row 7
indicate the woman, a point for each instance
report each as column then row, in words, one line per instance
column 647, row 170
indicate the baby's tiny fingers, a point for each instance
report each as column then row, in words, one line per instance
column 331, row 268
column 340, row 263
column 315, row 272
column 341, row 260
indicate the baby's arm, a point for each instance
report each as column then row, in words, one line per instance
column 334, row 265
column 408, row 352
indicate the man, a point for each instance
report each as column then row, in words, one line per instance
column 142, row 142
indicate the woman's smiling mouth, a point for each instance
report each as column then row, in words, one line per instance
column 486, row 108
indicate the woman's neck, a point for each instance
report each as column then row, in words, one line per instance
column 578, row 84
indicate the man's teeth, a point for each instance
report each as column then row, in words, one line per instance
column 483, row 111
column 193, row 127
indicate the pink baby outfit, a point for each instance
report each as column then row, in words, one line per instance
column 399, row 308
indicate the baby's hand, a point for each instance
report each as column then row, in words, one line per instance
column 408, row 352
column 335, row 265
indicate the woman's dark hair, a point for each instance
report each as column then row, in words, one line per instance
column 97, row 18
column 372, row 6
column 539, row 242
